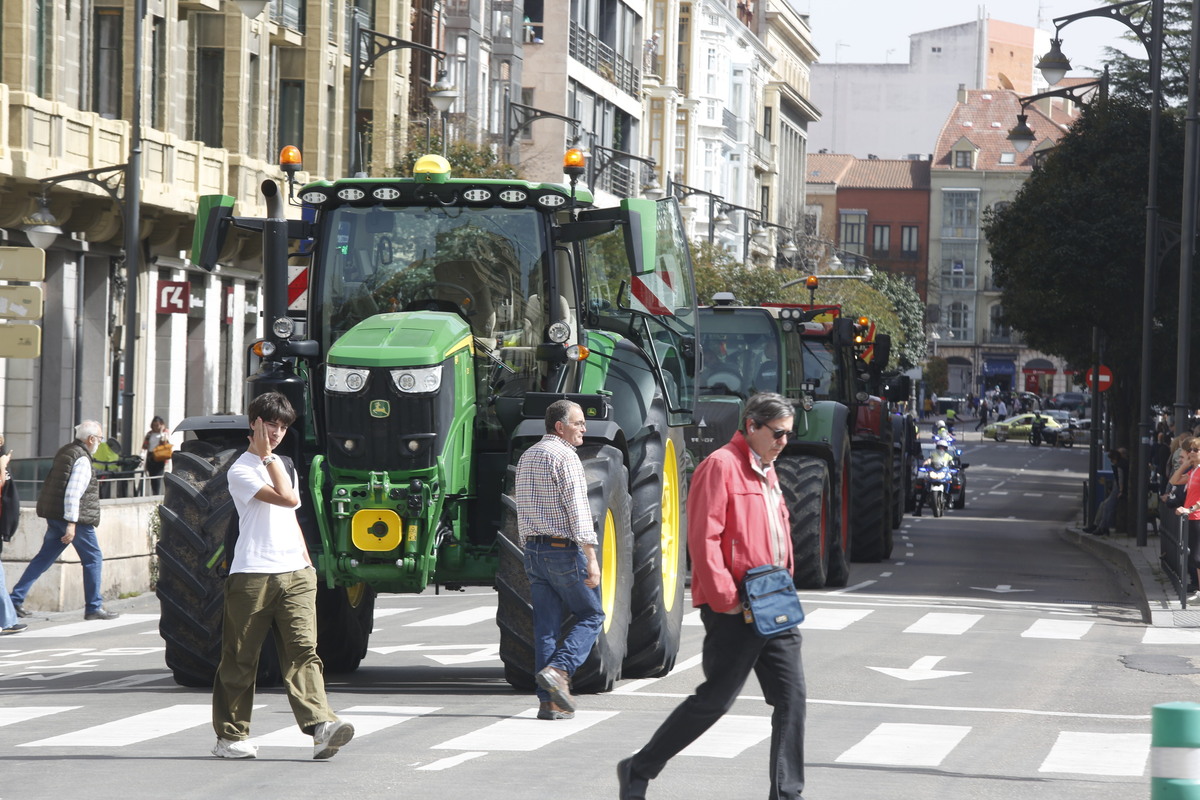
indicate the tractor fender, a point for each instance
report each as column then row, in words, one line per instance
column 604, row 431
column 630, row 379
column 819, row 429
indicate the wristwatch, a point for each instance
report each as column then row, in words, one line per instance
column 271, row 459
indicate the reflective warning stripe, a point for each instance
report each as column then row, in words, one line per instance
column 297, row 288
column 653, row 294
column 1175, row 762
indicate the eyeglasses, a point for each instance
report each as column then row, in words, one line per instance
column 776, row 433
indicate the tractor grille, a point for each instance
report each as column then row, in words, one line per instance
column 408, row 437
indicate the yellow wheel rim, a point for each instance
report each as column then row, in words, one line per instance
column 355, row 594
column 669, row 532
column 608, row 569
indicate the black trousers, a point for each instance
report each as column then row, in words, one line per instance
column 731, row 651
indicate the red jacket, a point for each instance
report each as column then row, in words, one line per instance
column 728, row 530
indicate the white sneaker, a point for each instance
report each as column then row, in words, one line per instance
column 330, row 736
column 234, row 748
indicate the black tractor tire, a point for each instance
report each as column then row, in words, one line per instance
column 871, row 512
column 804, row 481
column 659, row 549
column 192, row 564
column 608, row 498
column 345, row 616
column 838, row 573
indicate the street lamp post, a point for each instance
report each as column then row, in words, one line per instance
column 366, row 47
column 520, row 116
column 442, row 95
column 1054, row 65
column 606, row 156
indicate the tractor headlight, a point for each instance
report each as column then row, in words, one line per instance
column 418, row 381
column 345, row 380
column 559, row 332
column 283, row 327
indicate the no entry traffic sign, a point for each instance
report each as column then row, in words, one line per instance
column 1104, row 382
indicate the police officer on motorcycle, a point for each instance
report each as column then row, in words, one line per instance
column 940, row 458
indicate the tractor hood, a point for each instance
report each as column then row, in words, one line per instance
column 402, row 339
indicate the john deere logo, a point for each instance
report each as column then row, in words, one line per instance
column 380, row 409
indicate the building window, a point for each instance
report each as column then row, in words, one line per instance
column 964, row 159
column 852, row 235
column 910, row 242
column 959, row 322
column 998, row 332
column 881, row 240
column 960, row 214
column 210, row 94
column 106, row 77
column 291, row 115
column 958, row 265
column 158, row 74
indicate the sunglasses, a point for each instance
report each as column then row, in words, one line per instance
column 776, row 433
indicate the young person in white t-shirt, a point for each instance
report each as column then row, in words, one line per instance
column 271, row 581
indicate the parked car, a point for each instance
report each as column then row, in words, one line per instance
column 1069, row 401
column 1017, row 427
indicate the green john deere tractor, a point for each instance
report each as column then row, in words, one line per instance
column 444, row 315
column 837, row 471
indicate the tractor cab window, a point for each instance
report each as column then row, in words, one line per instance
column 482, row 264
column 820, row 366
column 739, row 353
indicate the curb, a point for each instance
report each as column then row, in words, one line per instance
column 1151, row 587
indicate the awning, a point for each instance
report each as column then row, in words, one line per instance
column 1039, row 371
column 993, row 366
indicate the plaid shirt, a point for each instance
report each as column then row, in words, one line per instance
column 552, row 493
column 77, row 484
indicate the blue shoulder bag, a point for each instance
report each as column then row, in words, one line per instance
column 769, row 600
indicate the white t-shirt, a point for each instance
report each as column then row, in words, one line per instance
column 270, row 541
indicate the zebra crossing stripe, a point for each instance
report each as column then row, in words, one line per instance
column 1098, row 753
column 131, row 730
column 1057, row 629
column 944, row 624
column 458, row 619
column 365, row 719
column 11, row 716
column 832, row 619
column 730, row 736
column 524, row 732
column 80, row 628
column 906, row 744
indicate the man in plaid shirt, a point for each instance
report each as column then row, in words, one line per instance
column 554, row 522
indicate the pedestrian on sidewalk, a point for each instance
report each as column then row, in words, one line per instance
column 1190, row 510
column 984, row 409
column 1107, row 512
column 737, row 520
column 271, row 588
column 554, row 522
column 70, row 504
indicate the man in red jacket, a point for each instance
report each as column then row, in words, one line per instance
column 737, row 520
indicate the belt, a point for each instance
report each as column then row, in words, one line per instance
column 553, row 541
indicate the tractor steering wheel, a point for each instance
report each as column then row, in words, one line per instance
column 423, row 298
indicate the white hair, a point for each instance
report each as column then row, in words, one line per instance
column 89, row 427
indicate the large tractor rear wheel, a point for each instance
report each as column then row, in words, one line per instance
column 838, row 574
column 195, row 515
column 806, row 490
column 608, row 499
column 659, row 550
column 871, row 517
column 345, row 615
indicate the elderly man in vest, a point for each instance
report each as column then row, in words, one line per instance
column 70, row 504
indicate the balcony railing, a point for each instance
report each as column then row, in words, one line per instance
column 587, row 49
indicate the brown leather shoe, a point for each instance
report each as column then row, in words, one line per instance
column 550, row 710
column 556, row 682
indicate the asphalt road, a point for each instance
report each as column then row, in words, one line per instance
column 987, row 659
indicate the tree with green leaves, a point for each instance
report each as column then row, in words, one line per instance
column 1068, row 252
column 1130, row 73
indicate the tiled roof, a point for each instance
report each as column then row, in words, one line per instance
column 984, row 120
column 850, row 172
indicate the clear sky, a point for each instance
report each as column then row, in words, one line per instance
column 877, row 31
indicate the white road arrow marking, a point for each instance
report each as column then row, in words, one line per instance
column 479, row 652
column 1002, row 588
column 921, row 670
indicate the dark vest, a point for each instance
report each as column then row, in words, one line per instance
column 54, row 491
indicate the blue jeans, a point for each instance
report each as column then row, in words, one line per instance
column 85, row 544
column 8, row 614
column 556, row 575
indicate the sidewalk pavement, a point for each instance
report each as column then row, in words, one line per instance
column 1150, row 586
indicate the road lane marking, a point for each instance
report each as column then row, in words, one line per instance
column 458, row 619
column 451, row 761
column 832, row 619
column 524, row 732
column 906, row 744
column 89, row 626
column 366, row 720
column 1058, row 629
column 1099, row 754
column 134, row 729
column 641, row 683
column 730, row 736
column 944, row 624
column 1170, row 636
column 11, row 716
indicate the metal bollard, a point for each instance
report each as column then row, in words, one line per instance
column 1175, row 751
